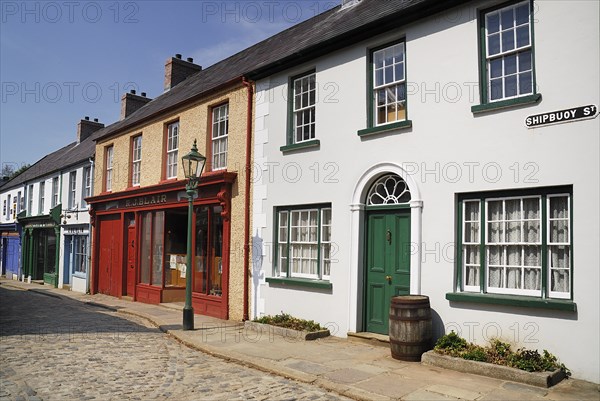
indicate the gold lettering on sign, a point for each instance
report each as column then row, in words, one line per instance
column 146, row 200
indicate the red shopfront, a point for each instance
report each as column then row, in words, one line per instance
column 140, row 241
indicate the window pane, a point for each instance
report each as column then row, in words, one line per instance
column 496, row 232
column 399, row 71
column 533, row 279
column 508, row 41
column 379, row 77
column 493, row 23
column 523, row 36
column 558, row 207
column 201, row 251
column 525, row 83
column 507, row 18
column 215, row 272
column 146, row 247
column 471, row 232
column 510, row 64
column 559, row 231
column 496, row 68
column 389, row 74
column 531, row 208
column 560, row 281
column 510, row 86
column 531, row 231
column 513, row 209
column 157, row 248
column 496, row 89
column 472, row 276
column 532, row 256
column 522, row 14
column 493, row 44
column 513, row 278
column 496, row 277
column 495, row 255
column 378, row 59
column 559, row 256
column 513, row 232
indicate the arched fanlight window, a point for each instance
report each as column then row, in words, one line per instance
column 388, row 190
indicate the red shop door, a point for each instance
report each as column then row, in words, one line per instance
column 109, row 264
column 131, row 251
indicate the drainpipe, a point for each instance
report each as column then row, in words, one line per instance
column 89, row 243
column 248, row 85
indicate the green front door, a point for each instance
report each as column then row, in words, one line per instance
column 388, row 265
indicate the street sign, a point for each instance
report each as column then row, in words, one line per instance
column 562, row 116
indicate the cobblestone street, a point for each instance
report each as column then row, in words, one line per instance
column 60, row 349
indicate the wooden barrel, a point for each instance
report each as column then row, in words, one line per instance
column 410, row 327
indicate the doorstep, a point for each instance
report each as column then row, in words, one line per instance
column 364, row 337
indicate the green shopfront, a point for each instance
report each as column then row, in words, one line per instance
column 40, row 250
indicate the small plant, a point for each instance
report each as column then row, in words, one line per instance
column 532, row 361
column 475, row 353
column 499, row 353
column 451, row 344
column 289, row 322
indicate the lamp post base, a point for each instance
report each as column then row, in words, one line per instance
column 188, row 319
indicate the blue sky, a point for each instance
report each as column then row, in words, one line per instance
column 63, row 60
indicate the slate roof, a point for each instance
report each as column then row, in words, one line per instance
column 328, row 31
column 61, row 159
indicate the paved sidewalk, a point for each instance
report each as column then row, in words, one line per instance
column 353, row 369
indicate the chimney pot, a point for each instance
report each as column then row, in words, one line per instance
column 133, row 91
column 87, row 118
column 95, row 120
column 190, row 59
column 178, row 56
column 144, row 94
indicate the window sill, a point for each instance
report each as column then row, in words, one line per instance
column 503, row 104
column 299, row 282
column 513, row 300
column 315, row 143
column 385, row 128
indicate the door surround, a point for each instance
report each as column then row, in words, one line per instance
column 357, row 248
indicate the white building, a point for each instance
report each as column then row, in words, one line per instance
column 49, row 209
column 393, row 157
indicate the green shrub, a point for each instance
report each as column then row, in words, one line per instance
column 532, row 361
column 499, row 353
column 289, row 322
column 475, row 353
column 451, row 344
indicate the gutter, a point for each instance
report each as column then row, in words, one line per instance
column 89, row 244
column 248, row 85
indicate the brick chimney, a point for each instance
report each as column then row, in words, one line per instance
column 178, row 70
column 85, row 128
column 130, row 102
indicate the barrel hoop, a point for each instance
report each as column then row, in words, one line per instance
column 412, row 304
column 422, row 342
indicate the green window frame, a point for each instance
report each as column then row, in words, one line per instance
column 507, row 56
column 516, row 243
column 302, row 108
column 302, row 238
column 387, row 100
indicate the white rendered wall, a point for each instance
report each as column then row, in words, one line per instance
column 490, row 151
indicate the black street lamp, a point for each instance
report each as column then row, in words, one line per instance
column 193, row 164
